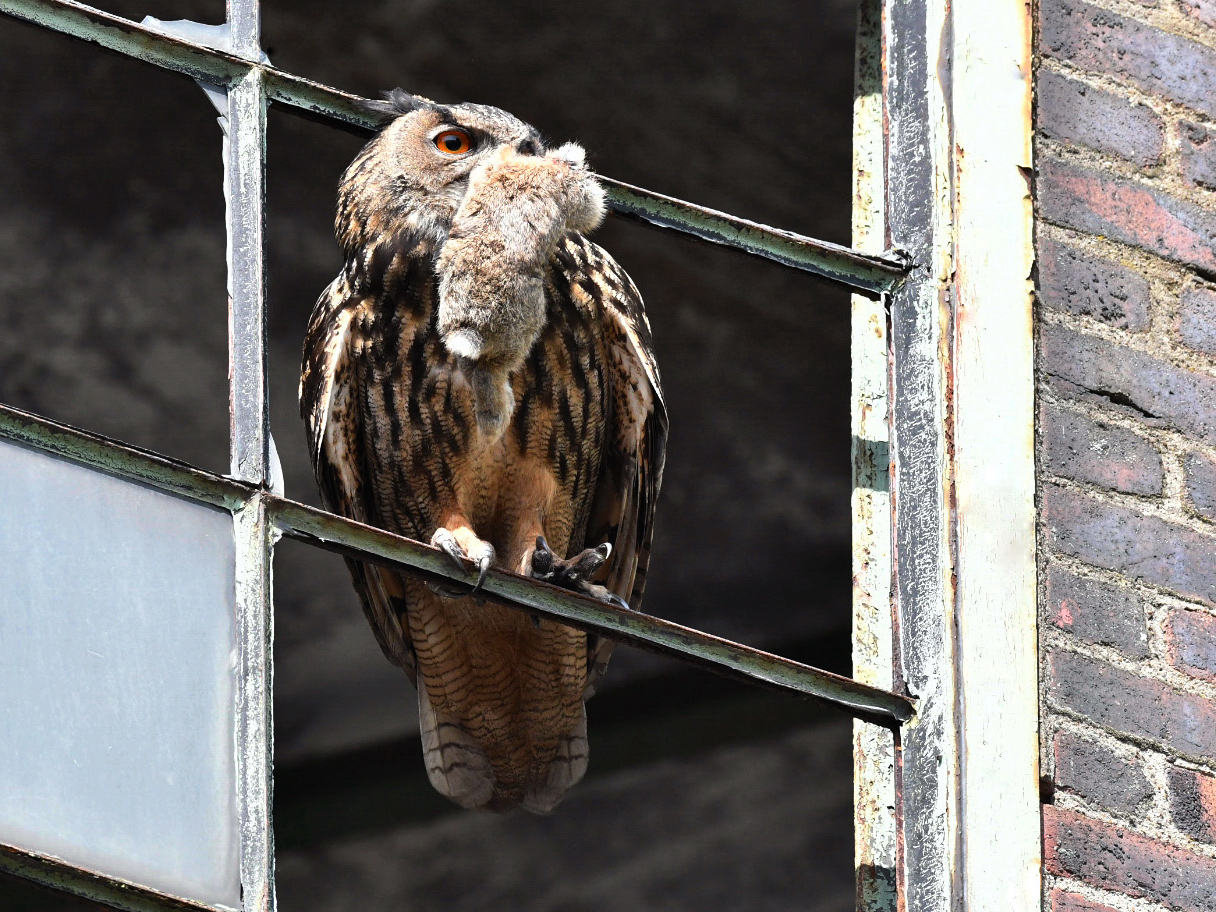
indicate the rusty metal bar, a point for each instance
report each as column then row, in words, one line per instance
column 721, row 656
column 121, row 459
column 120, row 894
column 344, row 536
column 872, row 273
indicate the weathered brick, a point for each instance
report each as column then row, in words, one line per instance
column 1076, row 282
column 1197, row 319
column 1201, row 484
column 1148, row 387
column 1125, row 540
column 1132, row 705
column 1198, row 155
column 1078, row 447
column 1104, row 42
column 1062, row 901
column 1193, row 803
column 1097, row 612
column 1071, row 111
column 1202, row 10
column 1120, row 208
column 1100, row 776
column 1116, row 859
column 1190, row 642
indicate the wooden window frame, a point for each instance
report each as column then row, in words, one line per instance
column 945, row 607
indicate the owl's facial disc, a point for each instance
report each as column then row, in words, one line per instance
column 441, row 144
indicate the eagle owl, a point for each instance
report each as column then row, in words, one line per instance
column 481, row 376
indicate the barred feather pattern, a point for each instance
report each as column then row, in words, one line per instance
column 394, row 442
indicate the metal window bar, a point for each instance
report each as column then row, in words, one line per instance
column 259, row 514
column 873, row 273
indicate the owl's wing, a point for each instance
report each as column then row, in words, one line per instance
column 635, row 440
column 329, row 400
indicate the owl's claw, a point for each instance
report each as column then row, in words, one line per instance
column 446, row 542
column 483, row 557
column 574, row 574
column 483, row 566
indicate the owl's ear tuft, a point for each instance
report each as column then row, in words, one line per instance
column 395, row 103
column 402, row 102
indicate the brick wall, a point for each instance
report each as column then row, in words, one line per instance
column 1126, row 238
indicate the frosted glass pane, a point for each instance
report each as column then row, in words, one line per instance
column 117, row 677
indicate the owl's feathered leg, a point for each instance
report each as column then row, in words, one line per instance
column 461, row 544
column 574, row 574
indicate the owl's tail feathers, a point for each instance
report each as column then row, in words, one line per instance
column 455, row 763
column 459, row 768
column 566, row 769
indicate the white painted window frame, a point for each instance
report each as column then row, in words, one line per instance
column 947, row 812
column 943, row 428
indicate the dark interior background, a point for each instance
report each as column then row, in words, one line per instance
column 701, row 794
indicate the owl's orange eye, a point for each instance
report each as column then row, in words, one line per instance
column 453, row 142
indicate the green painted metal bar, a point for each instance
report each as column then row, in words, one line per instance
column 864, row 271
column 721, row 656
column 121, row 459
column 93, row 885
column 130, row 38
column 872, row 273
column 352, row 539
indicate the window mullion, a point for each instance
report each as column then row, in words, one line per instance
column 918, row 202
column 245, row 196
column 244, row 176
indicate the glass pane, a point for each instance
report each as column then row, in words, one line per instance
column 117, row 666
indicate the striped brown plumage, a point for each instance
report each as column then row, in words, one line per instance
column 396, row 443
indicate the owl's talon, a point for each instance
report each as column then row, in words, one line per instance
column 574, row 574
column 445, row 541
column 482, row 557
column 483, row 567
column 613, row 599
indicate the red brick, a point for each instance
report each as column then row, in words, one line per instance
column 1144, row 387
column 1133, row 705
column 1073, row 281
column 1116, row 859
column 1125, row 540
column 1197, row 319
column 1099, row 775
column 1198, row 146
column 1077, row 447
column 1190, row 642
column 1193, row 803
column 1097, row 612
column 1072, row 902
column 1160, row 62
column 1071, row 111
column 1126, row 210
